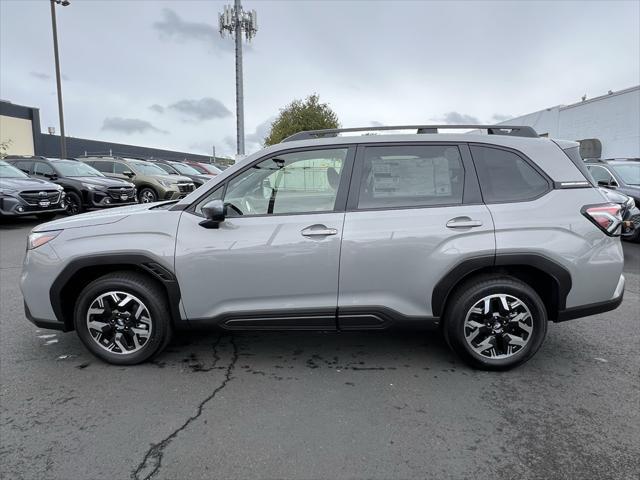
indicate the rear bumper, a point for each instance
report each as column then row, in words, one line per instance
column 594, row 308
column 43, row 323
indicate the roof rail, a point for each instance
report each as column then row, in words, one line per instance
column 515, row 130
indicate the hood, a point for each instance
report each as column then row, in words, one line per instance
column 27, row 184
column 99, row 217
column 174, row 178
column 104, row 181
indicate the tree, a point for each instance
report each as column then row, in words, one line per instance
column 301, row 115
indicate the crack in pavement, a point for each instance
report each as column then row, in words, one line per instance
column 152, row 461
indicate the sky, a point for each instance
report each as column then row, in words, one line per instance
column 158, row 73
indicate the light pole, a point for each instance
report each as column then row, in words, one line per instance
column 234, row 20
column 64, row 3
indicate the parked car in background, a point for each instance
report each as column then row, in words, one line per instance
column 22, row 195
column 489, row 237
column 152, row 182
column 179, row 168
column 630, row 214
column 85, row 187
column 206, row 168
column 621, row 175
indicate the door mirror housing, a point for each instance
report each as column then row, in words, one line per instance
column 215, row 212
column 51, row 176
column 128, row 173
column 606, row 183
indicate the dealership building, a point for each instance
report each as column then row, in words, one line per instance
column 607, row 126
column 20, row 129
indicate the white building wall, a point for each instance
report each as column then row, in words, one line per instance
column 614, row 119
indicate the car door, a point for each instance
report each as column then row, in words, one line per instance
column 414, row 213
column 273, row 262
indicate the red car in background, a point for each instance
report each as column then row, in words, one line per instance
column 206, row 168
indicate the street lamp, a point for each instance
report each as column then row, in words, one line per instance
column 236, row 20
column 64, row 3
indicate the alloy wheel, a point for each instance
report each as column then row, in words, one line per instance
column 73, row 207
column 119, row 322
column 147, row 197
column 498, row 326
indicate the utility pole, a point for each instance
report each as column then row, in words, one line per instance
column 63, row 142
column 234, row 21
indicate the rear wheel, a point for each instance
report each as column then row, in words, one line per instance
column 74, row 203
column 123, row 318
column 495, row 322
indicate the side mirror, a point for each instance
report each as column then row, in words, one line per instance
column 51, row 176
column 128, row 173
column 215, row 212
column 605, row 183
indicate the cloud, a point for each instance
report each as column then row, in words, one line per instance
column 129, row 125
column 260, row 133
column 175, row 28
column 498, row 117
column 456, row 118
column 203, row 109
column 40, row 75
column 157, row 108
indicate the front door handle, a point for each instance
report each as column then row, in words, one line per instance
column 318, row 231
column 463, row 222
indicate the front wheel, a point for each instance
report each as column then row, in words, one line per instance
column 123, row 318
column 495, row 322
column 147, row 195
column 74, row 203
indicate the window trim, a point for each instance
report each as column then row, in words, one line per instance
column 470, row 189
column 523, row 157
column 341, row 194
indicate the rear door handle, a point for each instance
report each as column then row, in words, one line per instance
column 463, row 222
column 318, row 231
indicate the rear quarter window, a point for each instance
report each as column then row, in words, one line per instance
column 506, row 177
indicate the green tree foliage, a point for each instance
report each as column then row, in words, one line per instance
column 301, row 115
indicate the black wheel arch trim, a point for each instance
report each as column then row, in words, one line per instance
column 445, row 286
column 140, row 261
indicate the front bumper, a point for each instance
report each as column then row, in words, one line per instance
column 14, row 206
column 595, row 308
column 107, row 199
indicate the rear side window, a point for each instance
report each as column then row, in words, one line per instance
column 102, row 166
column 411, row 176
column 505, row 176
column 23, row 165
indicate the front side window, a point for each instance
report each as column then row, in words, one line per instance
column 43, row 169
column 505, row 176
column 289, row 183
column 411, row 176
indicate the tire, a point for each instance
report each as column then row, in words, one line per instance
column 147, row 195
column 74, row 203
column 45, row 217
column 118, row 343
column 500, row 342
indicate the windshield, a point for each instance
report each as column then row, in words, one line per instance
column 630, row 173
column 71, row 168
column 9, row 171
column 207, row 168
column 147, row 168
column 185, row 169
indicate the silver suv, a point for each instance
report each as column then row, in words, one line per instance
column 489, row 235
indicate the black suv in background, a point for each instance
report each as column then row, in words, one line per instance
column 621, row 175
column 178, row 168
column 86, row 188
column 22, row 195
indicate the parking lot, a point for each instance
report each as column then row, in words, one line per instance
column 314, row 405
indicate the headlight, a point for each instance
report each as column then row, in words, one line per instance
column 168, row 183
column 91, row 186
column 37, row 239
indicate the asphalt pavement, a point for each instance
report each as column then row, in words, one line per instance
column 317, row 405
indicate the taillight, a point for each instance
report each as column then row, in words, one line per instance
column 607, row 217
